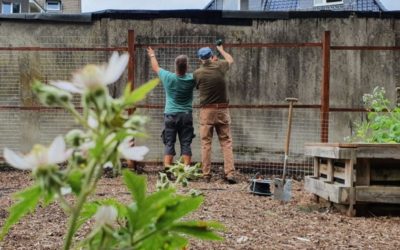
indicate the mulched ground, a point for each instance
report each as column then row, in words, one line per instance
column 252, row 222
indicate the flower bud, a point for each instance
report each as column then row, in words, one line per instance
column 136, row 122
column 51, row 96
column 105, row 215
column 74, row 138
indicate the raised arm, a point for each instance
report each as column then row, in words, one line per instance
column 225, row 54
column 153, row 60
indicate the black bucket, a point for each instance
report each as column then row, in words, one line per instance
column 260, row 187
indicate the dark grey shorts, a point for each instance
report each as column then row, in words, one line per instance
column 180, row 124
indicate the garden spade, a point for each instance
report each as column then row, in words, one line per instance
column 283, row 187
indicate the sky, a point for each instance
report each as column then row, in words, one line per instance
column 96, row 5
column 391, row 4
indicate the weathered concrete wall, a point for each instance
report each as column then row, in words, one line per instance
column 259, row 76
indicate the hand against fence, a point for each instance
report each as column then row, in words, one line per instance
column 150, row 52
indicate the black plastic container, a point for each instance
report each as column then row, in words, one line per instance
column 260, row 187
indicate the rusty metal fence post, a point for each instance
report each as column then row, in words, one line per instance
column 326, row 54
column 131, row 64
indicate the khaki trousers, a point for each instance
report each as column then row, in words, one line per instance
column 218, row 118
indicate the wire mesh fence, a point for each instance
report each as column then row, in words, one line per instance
column 258, row 130
column 23, row 120
column 258, row 139
column 258, row 133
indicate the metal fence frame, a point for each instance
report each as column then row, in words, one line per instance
column 324, row 45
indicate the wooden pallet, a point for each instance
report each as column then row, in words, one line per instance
column 350, row 174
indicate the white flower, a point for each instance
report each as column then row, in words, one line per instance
column 92, row 122
column 128, row 152
column 105, row 215
column 108, row 165
column 95, row 76
column 65, row 190
column 39, row 156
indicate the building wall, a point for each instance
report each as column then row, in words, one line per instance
column 67, row 6
column 24, row 5
column 71, row 6
column 259, row 76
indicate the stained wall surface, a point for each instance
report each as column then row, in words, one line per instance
column 259, row 76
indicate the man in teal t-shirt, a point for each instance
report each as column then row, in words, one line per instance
column 178, row 118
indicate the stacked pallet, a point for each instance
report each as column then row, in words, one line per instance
column 352, row 174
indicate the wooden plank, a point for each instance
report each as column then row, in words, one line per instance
column 339, row 172
column 349, row 173
column 331, row 192
column 342, row 145
column 329, row 171
column 389, row 151
column 363, row 172
column 354, row 145
column 323, row 169
column 364, row 150
column 329, row 152
column 378, row 194
column 316, row 167
column 349, row 182
column 352, row 201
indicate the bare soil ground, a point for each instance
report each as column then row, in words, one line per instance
column 252, row 222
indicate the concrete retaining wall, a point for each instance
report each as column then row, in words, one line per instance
column 259, row 76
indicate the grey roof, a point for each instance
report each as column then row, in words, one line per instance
column 305, row 5
column 280, row 5
column 368, row 5
column 349, row 5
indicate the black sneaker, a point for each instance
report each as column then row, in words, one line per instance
column 231, row 180
column 170, row 175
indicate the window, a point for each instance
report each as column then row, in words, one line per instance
column 16, row 8
column 52, row 5
column 327, row 2
column 6, row 8
column 10, row 8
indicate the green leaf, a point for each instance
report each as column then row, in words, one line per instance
column 137, row 185
column 199, row 229
column 140, row 93
column 89, row 209
column 75, row 180
column 182, row 207
column 162, row 241
column 153, row 208
column 27, row 201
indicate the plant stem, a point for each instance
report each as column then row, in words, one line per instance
column 74, row 220
column 78, row 116
column 77, row 210
column 64, row 202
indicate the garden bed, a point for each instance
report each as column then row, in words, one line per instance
column 253, row 222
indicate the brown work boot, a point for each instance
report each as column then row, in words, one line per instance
column 231, row 179
column 167, row 164
column 207, row 178
column 168, row 160
column 186, row 159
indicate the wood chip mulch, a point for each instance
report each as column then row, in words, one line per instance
column 252, row 222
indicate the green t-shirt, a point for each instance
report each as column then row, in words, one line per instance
column 210, row 80
column 178, row 91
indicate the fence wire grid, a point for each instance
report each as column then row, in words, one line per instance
column 258, row 133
